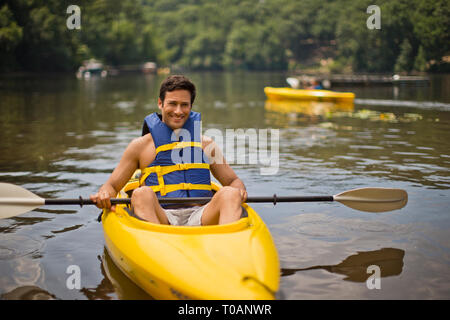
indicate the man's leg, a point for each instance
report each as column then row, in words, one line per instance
column 224, row 207
column 146, row 206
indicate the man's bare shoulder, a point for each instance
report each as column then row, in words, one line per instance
column 144, row 150
column 138, row 144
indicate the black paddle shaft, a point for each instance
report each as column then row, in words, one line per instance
column 274, row 199
column 80, row 201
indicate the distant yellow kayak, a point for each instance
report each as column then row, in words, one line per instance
column 308, row 107
column 302, row 94
column 232, row 261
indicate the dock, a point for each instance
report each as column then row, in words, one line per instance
column 377, row 80
column 328, row 81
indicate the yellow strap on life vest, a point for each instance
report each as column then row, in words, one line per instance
column 162, row 170
column 181, row 186
column 178, row 145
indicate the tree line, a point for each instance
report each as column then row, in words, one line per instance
column 329, row 35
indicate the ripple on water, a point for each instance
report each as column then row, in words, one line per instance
column 14, row 246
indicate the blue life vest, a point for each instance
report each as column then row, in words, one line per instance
column 180, row 168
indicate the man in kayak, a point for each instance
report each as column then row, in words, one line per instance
column 176, row 161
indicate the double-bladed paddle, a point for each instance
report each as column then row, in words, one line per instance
column 15, row 200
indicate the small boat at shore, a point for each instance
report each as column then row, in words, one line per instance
column 91, row 68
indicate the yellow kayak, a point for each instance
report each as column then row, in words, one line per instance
column 307, row 107
column 233, row 261
column 302, row 94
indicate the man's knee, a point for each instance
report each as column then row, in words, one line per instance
column 144, row 204
column 229, row 194
column 143, row 193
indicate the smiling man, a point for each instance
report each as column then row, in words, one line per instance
column 176, row 161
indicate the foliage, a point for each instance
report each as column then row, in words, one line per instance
column 404, row 59
column 226, row 34
column 10, row 36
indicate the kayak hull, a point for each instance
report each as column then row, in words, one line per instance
column 233, row 261
column 302, row 94
column 307, row 107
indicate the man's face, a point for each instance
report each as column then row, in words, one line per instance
column 176, row 108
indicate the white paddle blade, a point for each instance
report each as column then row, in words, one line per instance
column 15, row 200
column 373, row 199
column 293, row 82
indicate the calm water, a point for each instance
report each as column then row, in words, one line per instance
column 61, row 137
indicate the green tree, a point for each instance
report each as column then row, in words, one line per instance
column 420, row 62
column 10, row 36
column 119, row 32
column 253, row 47
column 431, row 21
column 404, row 60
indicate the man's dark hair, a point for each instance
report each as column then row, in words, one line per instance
column 177, row 82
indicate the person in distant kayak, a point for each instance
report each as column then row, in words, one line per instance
column 176, row 161
column 315, row 85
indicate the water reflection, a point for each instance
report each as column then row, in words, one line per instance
column 20, row 258
column 13, row 223
column 114, row 284
column 123, row 286
column 354, row 267
column 287, row 113
column 28, row 293
column 14, row 246
column 104, row 290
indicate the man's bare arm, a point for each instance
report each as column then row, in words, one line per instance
column 121, row 174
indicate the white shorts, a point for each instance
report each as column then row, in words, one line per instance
column 191, row 216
